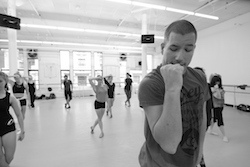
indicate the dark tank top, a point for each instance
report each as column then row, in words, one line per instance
column 4, row 109
column 18, row 88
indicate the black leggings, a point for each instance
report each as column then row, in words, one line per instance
column 218, row 116
column 128, row 93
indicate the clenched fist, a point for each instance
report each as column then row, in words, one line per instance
column 172, row 75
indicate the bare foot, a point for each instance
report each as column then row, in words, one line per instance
column 101, row 135
column 92, row 130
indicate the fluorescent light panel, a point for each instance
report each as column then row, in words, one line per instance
column 129, row 2
column 206, row 16
column 78, row 30
column 74, row 44
column 179, row 11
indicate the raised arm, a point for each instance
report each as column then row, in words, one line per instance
column 165, row 120
column 106, row 82
column 92, row 83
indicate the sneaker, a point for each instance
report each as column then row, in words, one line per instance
column 225, row 139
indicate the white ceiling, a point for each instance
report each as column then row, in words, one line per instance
column 111, row 16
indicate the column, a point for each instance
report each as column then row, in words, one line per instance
column 92, row 64
column 25, row 63
column 71, row 66
column 144, row 46
column 12, row 39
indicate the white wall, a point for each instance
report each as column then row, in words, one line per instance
column 225, row 49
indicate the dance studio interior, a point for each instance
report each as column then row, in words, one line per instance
column 83, row 39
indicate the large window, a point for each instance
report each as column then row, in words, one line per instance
column 33, row 68
column 4, row 59
column 98, row 63
column 81, row 68
column 149, row 63
column 65, row 66
column 64, row 60
column 4, row 65
column 82, row 61
column 123, row 71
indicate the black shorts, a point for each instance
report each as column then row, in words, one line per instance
column 218, row 116
column 99, row 104
column 23, row 102
column 6, row 127
column 68, row 94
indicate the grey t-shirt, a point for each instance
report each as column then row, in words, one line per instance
column 194, row 93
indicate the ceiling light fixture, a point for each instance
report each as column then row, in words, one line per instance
column 179, row 11
column 75, row 44
column 152, row 6
column 84, row 30
column 207, row 16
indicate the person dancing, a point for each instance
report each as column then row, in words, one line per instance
column 111, row 96
column 128, row 88
column 7, row 124
column 68, row 89
column 19, row 87
column 101, row 97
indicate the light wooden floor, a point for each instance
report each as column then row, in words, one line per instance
column 56, row 137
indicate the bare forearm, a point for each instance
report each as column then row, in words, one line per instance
column 168, row 129
column 20, row 121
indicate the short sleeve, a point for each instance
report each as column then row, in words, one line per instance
column 151, row 92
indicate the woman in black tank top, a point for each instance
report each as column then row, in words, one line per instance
column 7, row 124
column 111, row 93
column 32, row 91
column 19, row 88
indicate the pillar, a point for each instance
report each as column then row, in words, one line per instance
column 12, row 36
column 144, row 46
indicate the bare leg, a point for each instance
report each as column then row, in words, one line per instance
column 23, row 110
column 3, row 162
column 8, row 144
column 107, row 108
column 210, row 129
column 93, row 127
column 100, row 113
column 225, row 139
column 110, row 104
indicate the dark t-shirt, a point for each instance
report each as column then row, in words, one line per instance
column 128, row 83
column 111, row 88
column 194, row 93
column 67, row 85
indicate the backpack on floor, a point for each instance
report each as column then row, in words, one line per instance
column 243, row 107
